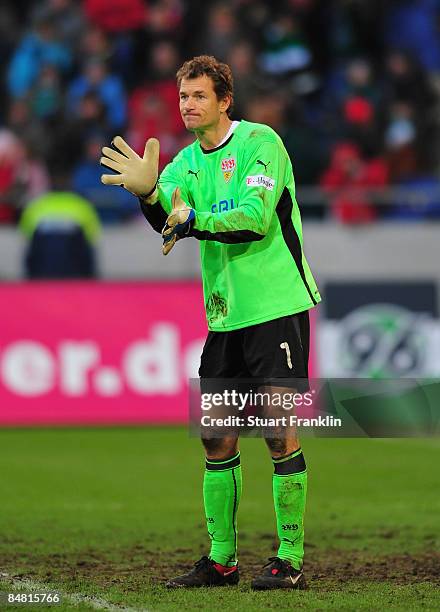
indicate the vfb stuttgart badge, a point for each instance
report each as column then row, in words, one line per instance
column 228, row 168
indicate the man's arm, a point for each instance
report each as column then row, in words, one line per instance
column 157, row 212
column 158, row 208
column 154, row 214
column 139, row 175
column 260, row 187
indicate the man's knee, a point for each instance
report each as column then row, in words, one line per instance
column 220, row 448
column 279, row 447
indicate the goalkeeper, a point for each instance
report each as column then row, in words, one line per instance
column 233, row 190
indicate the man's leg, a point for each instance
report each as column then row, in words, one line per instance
column 289, row 485
column 276, row 354
column 221, row 495
column 221, row 360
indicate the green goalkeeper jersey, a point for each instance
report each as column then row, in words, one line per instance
column 249, row 225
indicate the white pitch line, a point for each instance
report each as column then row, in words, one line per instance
column 75, row 598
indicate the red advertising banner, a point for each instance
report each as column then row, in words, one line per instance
column 78, row 353
column 89, row 353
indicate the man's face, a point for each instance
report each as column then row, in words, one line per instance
column 199, row 106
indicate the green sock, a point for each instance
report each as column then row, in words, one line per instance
column 221, row 494
column 289, row 496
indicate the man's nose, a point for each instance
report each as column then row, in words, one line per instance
column 188, row 104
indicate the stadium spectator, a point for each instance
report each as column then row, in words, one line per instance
column 11, row 187
column 116, row 15
column 67, row 137
column 406, row 81
column 62, row 229
column 354, row 29
column 9, row 34
column 95, row 45
column 164, row 18
column 123, row 21
column 46, row 97
column 95, row 78
column 285, row 49
column 222, row 31
column 417, row 194
column 357, row 81
column 248, row 80
column 351, row 101
column 400, row 141
column 153, row 108
column 26, row 126
column 164, row 61
column 68, row 20
column 305, row 148
column 39, row 47
column 348, row 180
column 34, row 175
column 360, row 125
column 23, row 176
column 413, row 26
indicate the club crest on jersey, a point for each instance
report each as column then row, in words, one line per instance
column 228, row 168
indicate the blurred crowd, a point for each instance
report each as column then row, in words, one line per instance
column 352, row 87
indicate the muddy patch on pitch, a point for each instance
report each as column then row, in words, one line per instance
column 339, row 567
column 135, row 567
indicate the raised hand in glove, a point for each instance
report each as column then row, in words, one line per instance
column 179, row 222
column 137, row 174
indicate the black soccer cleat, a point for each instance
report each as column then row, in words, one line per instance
column 205, row 574
column 279, row 574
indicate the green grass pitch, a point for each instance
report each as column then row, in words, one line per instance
column 109, row 514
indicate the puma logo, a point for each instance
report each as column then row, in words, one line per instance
column 195, row 173
column 263, row 164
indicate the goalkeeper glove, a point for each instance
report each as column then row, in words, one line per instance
column 179, row 222
column 139, row 175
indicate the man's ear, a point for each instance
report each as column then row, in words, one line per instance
column 225, row 104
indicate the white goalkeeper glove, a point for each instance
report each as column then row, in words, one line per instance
column 179, row 222
column 139, row 175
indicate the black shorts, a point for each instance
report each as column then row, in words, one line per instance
column 277, row 349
